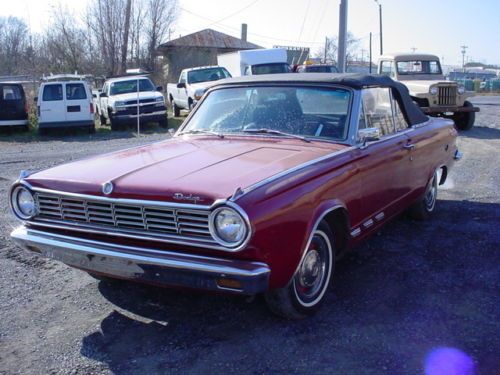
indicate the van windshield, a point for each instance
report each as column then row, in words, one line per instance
column 129, row 86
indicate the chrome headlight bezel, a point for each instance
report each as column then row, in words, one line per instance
column 433, row 90
column 216, row 231
column 16, row 206
column 461, row 89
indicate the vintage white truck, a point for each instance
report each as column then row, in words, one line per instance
column 192, row 84
column 423, row 76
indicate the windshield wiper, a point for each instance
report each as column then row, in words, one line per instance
column 202, row 131
column 275, row 132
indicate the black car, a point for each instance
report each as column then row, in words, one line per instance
column 13, row 109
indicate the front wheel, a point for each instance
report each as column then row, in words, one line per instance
column 306, row 291
column 176, row 109
column 465, row 120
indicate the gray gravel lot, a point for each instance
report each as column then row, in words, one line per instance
column 414, row 287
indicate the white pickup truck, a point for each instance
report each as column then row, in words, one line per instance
column 193, row 83
column 117, row 103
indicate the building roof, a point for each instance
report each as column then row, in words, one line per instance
column 209, row 38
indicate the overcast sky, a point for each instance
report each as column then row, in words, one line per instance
column 434, row 26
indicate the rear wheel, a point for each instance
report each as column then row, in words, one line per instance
column 465, row 120
column 423, row 208
column 306, row 291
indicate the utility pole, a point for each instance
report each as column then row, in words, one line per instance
column 342, row 36
column 464, row 51
column 370, row 52
column 326, row 48
column 380, row 24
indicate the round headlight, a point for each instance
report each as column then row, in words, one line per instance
column 23, row 203
column 433, row 90
column 228, row 227
column 461, row 89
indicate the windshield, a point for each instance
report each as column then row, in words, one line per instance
column 210, row 74
column 321, row 69
column 311, row 112
column 129, row 86
column 419, row 67
column 270, row 68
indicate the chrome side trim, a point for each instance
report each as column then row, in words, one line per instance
column 279, row 175
column 368, row 223
column 379, row 216
column 355, row 232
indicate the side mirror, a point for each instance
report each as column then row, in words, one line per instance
column 94, row 95
column 103, row 95
column 35, row 99
column 159, row 88
column 181, row 85
column 368, row 135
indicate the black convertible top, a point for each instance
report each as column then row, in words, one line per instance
column 413, row 113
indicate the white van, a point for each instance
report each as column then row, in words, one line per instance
column 64, row 104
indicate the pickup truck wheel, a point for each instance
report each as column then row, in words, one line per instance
column 306, row 291
column 465, row 120
column 423, row 208
column 114, row 125
column 163, row 123
column 176, row 110
column 102, row 120
column 191, row 105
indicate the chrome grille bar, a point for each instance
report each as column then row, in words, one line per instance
column 447, row 95
column 158, row 221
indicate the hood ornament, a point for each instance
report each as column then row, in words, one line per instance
column 191, row 198
column 107, row 188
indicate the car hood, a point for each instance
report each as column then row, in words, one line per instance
column 181, row 168
column 133, row 96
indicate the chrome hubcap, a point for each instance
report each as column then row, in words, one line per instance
column 310, row 269
column 430, row 197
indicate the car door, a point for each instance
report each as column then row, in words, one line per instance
column 51, row 104
column 382, row 163
column 77, row 102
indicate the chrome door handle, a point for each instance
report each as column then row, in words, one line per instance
column 409, row 146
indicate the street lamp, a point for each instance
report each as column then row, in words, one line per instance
column 380, row 22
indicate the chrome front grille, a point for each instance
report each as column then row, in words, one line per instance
column 447, row 95
column 160, row 221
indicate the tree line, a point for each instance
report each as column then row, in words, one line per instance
column 111, row 36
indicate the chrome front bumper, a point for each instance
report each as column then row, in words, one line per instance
column 146, row 265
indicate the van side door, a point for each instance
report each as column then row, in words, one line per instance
column 77, row 103
column 51, row 103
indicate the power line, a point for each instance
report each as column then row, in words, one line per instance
column 235, row 13
column 304, row 19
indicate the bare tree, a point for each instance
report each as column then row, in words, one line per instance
column 126, row 29
column 13, row 43
column 331, row 46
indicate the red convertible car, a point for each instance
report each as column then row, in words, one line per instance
column 268, row 182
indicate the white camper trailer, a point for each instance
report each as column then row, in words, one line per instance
column 255, row 61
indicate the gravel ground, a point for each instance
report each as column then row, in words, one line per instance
column 413, row 288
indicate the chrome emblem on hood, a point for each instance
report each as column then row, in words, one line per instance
column 190, row 198
column 107, row 188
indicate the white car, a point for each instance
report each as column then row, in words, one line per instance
column 117, row 102
column 63, row 104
